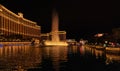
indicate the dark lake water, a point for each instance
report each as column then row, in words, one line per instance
column 72, row 58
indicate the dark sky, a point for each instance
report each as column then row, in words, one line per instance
column 79, row 18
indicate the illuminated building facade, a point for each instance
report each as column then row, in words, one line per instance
column 45, row 36
column 12, row 24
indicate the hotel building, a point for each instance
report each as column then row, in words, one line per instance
column 12, row 24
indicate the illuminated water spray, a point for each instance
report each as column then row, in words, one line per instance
column 55, row 39
column 55, row 27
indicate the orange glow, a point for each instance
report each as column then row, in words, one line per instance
column 55, row 33
column 51, row 43
column 99, row 35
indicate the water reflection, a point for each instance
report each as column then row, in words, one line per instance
column 108, row 56
column 56, row 58
column 112, row 57
column 56, row 55
column 72, row 49
column 82, row 50
column 99, row 53
column 19, row 57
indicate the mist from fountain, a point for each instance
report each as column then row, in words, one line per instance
column 55, row 32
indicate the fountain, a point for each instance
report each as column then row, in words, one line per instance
column 55, row 40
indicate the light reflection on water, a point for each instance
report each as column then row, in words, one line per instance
column 56, row 58
column 24, row 57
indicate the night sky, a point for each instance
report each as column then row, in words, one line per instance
column 79, row 18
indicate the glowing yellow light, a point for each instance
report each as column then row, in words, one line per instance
column 60, row 43
column 1, row 10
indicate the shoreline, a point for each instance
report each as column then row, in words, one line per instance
column 14, row 43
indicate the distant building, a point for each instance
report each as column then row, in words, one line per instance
column 62, row 35
column 13, row 24
column 48, row 36
column 45, row 36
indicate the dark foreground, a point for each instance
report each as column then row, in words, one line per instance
column 72, row 58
